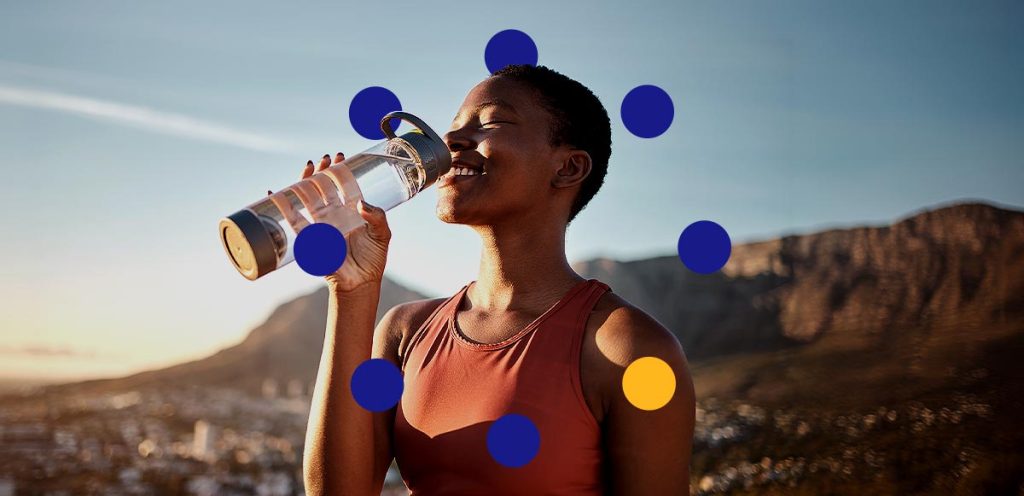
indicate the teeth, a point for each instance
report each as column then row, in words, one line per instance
column 462, row 171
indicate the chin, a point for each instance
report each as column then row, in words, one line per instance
column 447, row 219
column 448, row 213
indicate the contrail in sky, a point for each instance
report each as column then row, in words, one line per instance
column 142, row 118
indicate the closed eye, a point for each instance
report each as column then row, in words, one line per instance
column 494, row 122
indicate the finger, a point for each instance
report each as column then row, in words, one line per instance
column 307, row 171
column 376, row 221
column 339, row 158
column 324, row 163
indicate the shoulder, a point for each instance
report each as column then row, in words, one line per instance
column 411, row 312
column 622, row 333
column 398, row 324
column 648, row 450
column 617, row 334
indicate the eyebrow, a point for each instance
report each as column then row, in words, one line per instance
column 497, row 102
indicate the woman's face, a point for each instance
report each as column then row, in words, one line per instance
column 502, row 128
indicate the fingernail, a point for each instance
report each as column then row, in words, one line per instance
column 269, row 192
column 328, row 157
column 309, row 163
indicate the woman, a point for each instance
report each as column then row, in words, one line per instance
column 528, row 336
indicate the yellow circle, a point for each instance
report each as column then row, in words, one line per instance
column 649, row 383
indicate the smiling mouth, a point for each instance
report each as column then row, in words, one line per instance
column 466, row 171
column 460, row 174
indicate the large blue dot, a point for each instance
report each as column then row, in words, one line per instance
column 368, row 107
column 509, row 47
column 320, row 249
column 377, row 385
column 704, row 247
column 647, row 111
column 513, row 440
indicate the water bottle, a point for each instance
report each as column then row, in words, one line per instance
column 260, row 238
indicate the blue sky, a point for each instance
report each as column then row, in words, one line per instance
column 129, row 129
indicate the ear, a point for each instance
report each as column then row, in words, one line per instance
column 574, row 169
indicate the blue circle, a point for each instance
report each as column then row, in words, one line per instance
column 704, row 247
column 368, row 107
column 320, row 249
column 647, row 111
column 509, row 47
column 377, row 385
column 513, row 440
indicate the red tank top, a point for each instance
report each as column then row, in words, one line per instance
column 455, row 389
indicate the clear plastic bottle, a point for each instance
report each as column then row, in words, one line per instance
column 259, row 238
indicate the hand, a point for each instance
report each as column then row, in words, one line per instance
column 367, row 244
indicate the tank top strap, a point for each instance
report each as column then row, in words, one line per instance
column 559, row 346
column 582, row 310
column 585, row 301
column 579, row 307
column 433, row 324
column 564, row 331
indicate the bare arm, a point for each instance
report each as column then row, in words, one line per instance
column 348, row 448
column 649, row 451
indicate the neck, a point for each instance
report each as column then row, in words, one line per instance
column 522, row 268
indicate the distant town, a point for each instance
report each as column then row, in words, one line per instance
column 208, row 441
column 200, row 441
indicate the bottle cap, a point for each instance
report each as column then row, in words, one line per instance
column 433, row 151
column 248, row 244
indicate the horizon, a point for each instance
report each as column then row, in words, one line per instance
column 127, row 137
column 15, row 383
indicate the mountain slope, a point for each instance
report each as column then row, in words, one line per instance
column 869, row 360
column 940, row 269
column 960, row 266
column 285, row 347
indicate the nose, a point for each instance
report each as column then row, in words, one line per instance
column 458, row 140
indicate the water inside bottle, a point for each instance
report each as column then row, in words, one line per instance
column 331, row 196
column 386, row 180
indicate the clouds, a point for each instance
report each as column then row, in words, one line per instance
column 45, row 351
column 140, row 117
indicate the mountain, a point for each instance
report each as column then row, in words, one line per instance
column 867, row 360
column 953, row 266
column 871, row 360
column 285, row 347
column 943, row 269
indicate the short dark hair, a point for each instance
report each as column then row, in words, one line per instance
column 578, row 119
